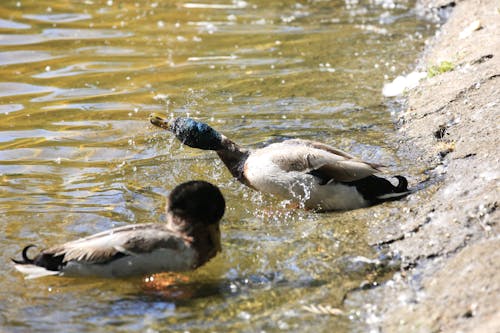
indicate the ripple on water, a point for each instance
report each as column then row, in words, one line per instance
column 57, row 34
column 16, row 89
column 106, row 106
column 198, row 5
column 108, row 51
column 52, row 93
column 58, row 18
column 8, row 108
column 8, row 24
column 86, row 68
column 22, row 57
column 8, row 136
column 257, row 27
column 20, row 39
column 78, row 34
column 77, row 93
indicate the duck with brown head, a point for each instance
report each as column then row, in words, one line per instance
column 189, row 239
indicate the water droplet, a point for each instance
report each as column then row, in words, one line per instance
column 244, row 315
column 233, row 288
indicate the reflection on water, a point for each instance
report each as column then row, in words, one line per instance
column 77, row 154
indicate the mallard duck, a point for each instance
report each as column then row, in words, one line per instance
column 189, row 239
column 316, row 175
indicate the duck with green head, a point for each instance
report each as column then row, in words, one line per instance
column 314, row 174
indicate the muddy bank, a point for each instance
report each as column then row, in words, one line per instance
column 447, row 234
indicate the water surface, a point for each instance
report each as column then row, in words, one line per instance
column 78, row 80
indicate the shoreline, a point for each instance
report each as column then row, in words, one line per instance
column 447, row 234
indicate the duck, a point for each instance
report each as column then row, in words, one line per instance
column 311, row 174
column 189, row 239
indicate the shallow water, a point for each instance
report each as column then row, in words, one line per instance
column 78, row 80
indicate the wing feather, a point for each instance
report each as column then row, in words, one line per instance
column 128, row 240
column 319, row 159
column 319, row 145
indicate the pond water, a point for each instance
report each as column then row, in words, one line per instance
column 78, row 80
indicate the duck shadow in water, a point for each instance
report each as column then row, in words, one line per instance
column 178, row 288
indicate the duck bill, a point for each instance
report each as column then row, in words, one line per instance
column 214, row 233
column 160, row 121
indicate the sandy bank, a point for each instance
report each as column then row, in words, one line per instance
column 448, row 235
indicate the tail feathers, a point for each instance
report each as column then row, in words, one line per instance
column 28, row 267
column 26, row 260
column 33, row 272
column 392, row 196
column 376, row 189
column 398, row 191
column 402, row 184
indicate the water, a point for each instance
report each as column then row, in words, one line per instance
column 77, row 154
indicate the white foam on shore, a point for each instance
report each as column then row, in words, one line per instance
column 402, row 84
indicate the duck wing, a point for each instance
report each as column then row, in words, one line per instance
column 318, row 145
column 320, row 160
column 113, row 244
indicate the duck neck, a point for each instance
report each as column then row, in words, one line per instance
column 206, row 242
column 178, row 224
column 197, row 235
column 234, row 158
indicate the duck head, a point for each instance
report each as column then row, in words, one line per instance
column 197, row 201
column 190, row 132
column 197, row 205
